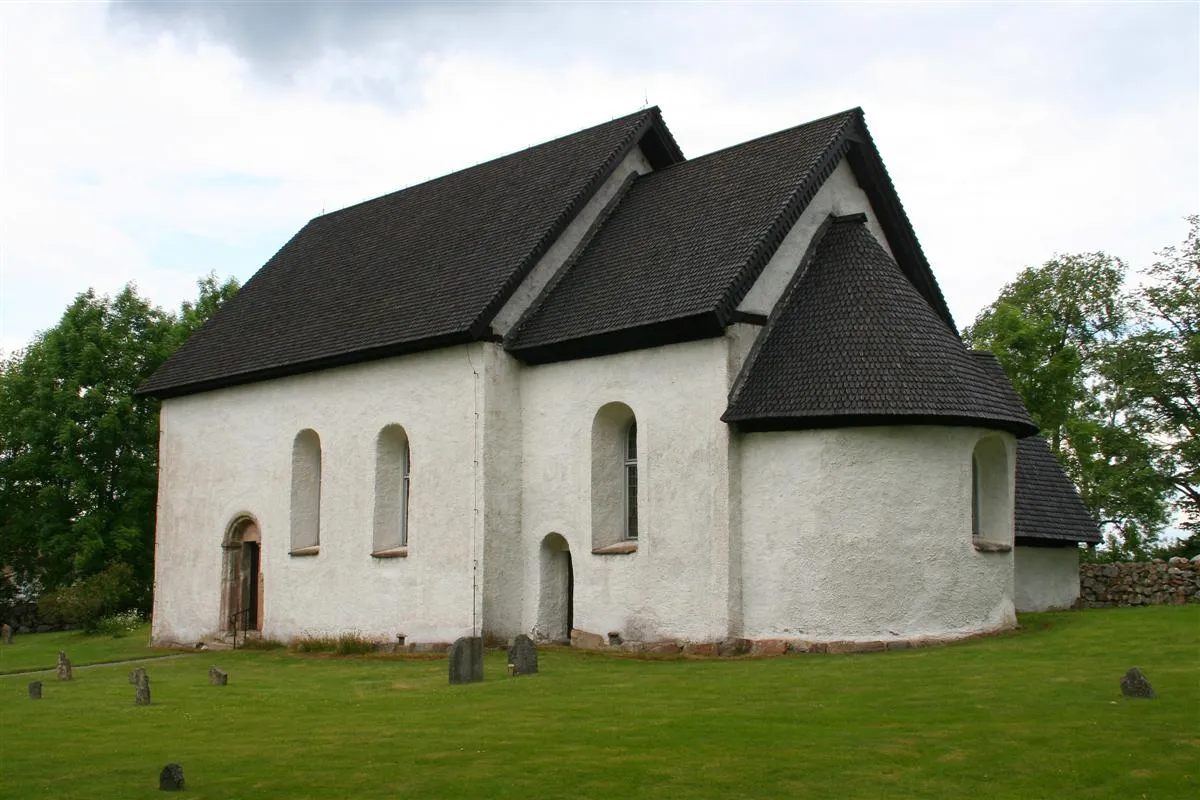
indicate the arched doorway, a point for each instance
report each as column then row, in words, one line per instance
column 241, row 577
column 556, row 600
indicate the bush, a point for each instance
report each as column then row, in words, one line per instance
column 119, row 624
column 87, row 601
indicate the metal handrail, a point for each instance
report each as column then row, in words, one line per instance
column 239, row 616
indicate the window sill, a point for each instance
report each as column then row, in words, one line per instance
column 618, row 549
column 305, row 551
column 392, row 552
column 984, row 546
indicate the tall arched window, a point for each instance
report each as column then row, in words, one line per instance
column 306, row 493
column 615, row 523
column 991, row 491
column 392, row 476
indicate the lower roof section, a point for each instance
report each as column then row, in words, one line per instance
column 853, row 342
column 1048, row 507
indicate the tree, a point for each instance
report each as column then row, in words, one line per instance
column 78, row 450
column 1158, row 366
column 1052, row 329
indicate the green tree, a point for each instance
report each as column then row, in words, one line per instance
column 1158, row 366
column 1052, row 329
column 78, row 450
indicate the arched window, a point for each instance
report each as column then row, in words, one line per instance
column 306, row 493
column 615, row 523
column 392, row 476
column 991, row 491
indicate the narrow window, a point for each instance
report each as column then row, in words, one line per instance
column 306, row 493
column 404, row 500
column 614, row 480
column 974, row 495
column 631, row 482
column 991, row 490
column 392, row 476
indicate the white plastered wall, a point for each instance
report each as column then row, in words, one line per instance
column 865, row 534
column 228, row 452
column 1047, row 578
column 840, row 194
column 676, row 585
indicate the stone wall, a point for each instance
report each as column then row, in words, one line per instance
column 1173, row 582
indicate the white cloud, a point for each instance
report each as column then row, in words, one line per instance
column 1011, row 134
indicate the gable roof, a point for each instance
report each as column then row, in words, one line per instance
column 1047, row 507
column 852, row 342
column 423, row 267
column 686, row 243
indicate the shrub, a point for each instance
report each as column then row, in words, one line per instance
column 119, row 624
column 89, row 600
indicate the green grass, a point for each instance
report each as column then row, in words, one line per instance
column 1035, row 714
column 40, row 650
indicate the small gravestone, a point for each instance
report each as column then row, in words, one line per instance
column 64, row 666
column 466, row 660
column 522, row 656
column 35, row 690
column 1134, row 684
column 171, row 778
column 6, row 634
column 141, row 685
column 217, row 676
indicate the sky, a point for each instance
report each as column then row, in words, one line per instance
column 154, row 143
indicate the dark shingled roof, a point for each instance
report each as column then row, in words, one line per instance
column 423, row 267
column 684, row 238
column 852, row 342
column 1047, row 506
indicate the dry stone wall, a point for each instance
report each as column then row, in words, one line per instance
column 1173, row 582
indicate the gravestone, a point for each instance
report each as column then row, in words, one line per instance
column 171, row 778
column 141, row 683
column 1134, row 684
column 6, row 634
column 217, row 676
column 466, row 660
column 64, row 666
column 522, row 656
column 35, row 690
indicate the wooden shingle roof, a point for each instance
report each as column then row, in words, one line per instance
column 1047, row 505
column 420, row 268
column 852, row 342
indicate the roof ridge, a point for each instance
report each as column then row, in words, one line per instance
column 850, row 112
column 646, row 112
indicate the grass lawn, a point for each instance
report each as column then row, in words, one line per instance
column 1035, row 714
column 40, row 650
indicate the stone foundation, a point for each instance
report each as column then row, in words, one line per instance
column 1173, row 582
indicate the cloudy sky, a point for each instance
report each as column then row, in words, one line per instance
column 154, row 142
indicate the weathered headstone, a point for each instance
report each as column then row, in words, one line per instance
column 466, row 660
column 217, row 676
column 35, row 690
column 522, row 656
column 6, row 634
column 171, row 778
column 141, row 685
column 1134, row 684
column 64, row 666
